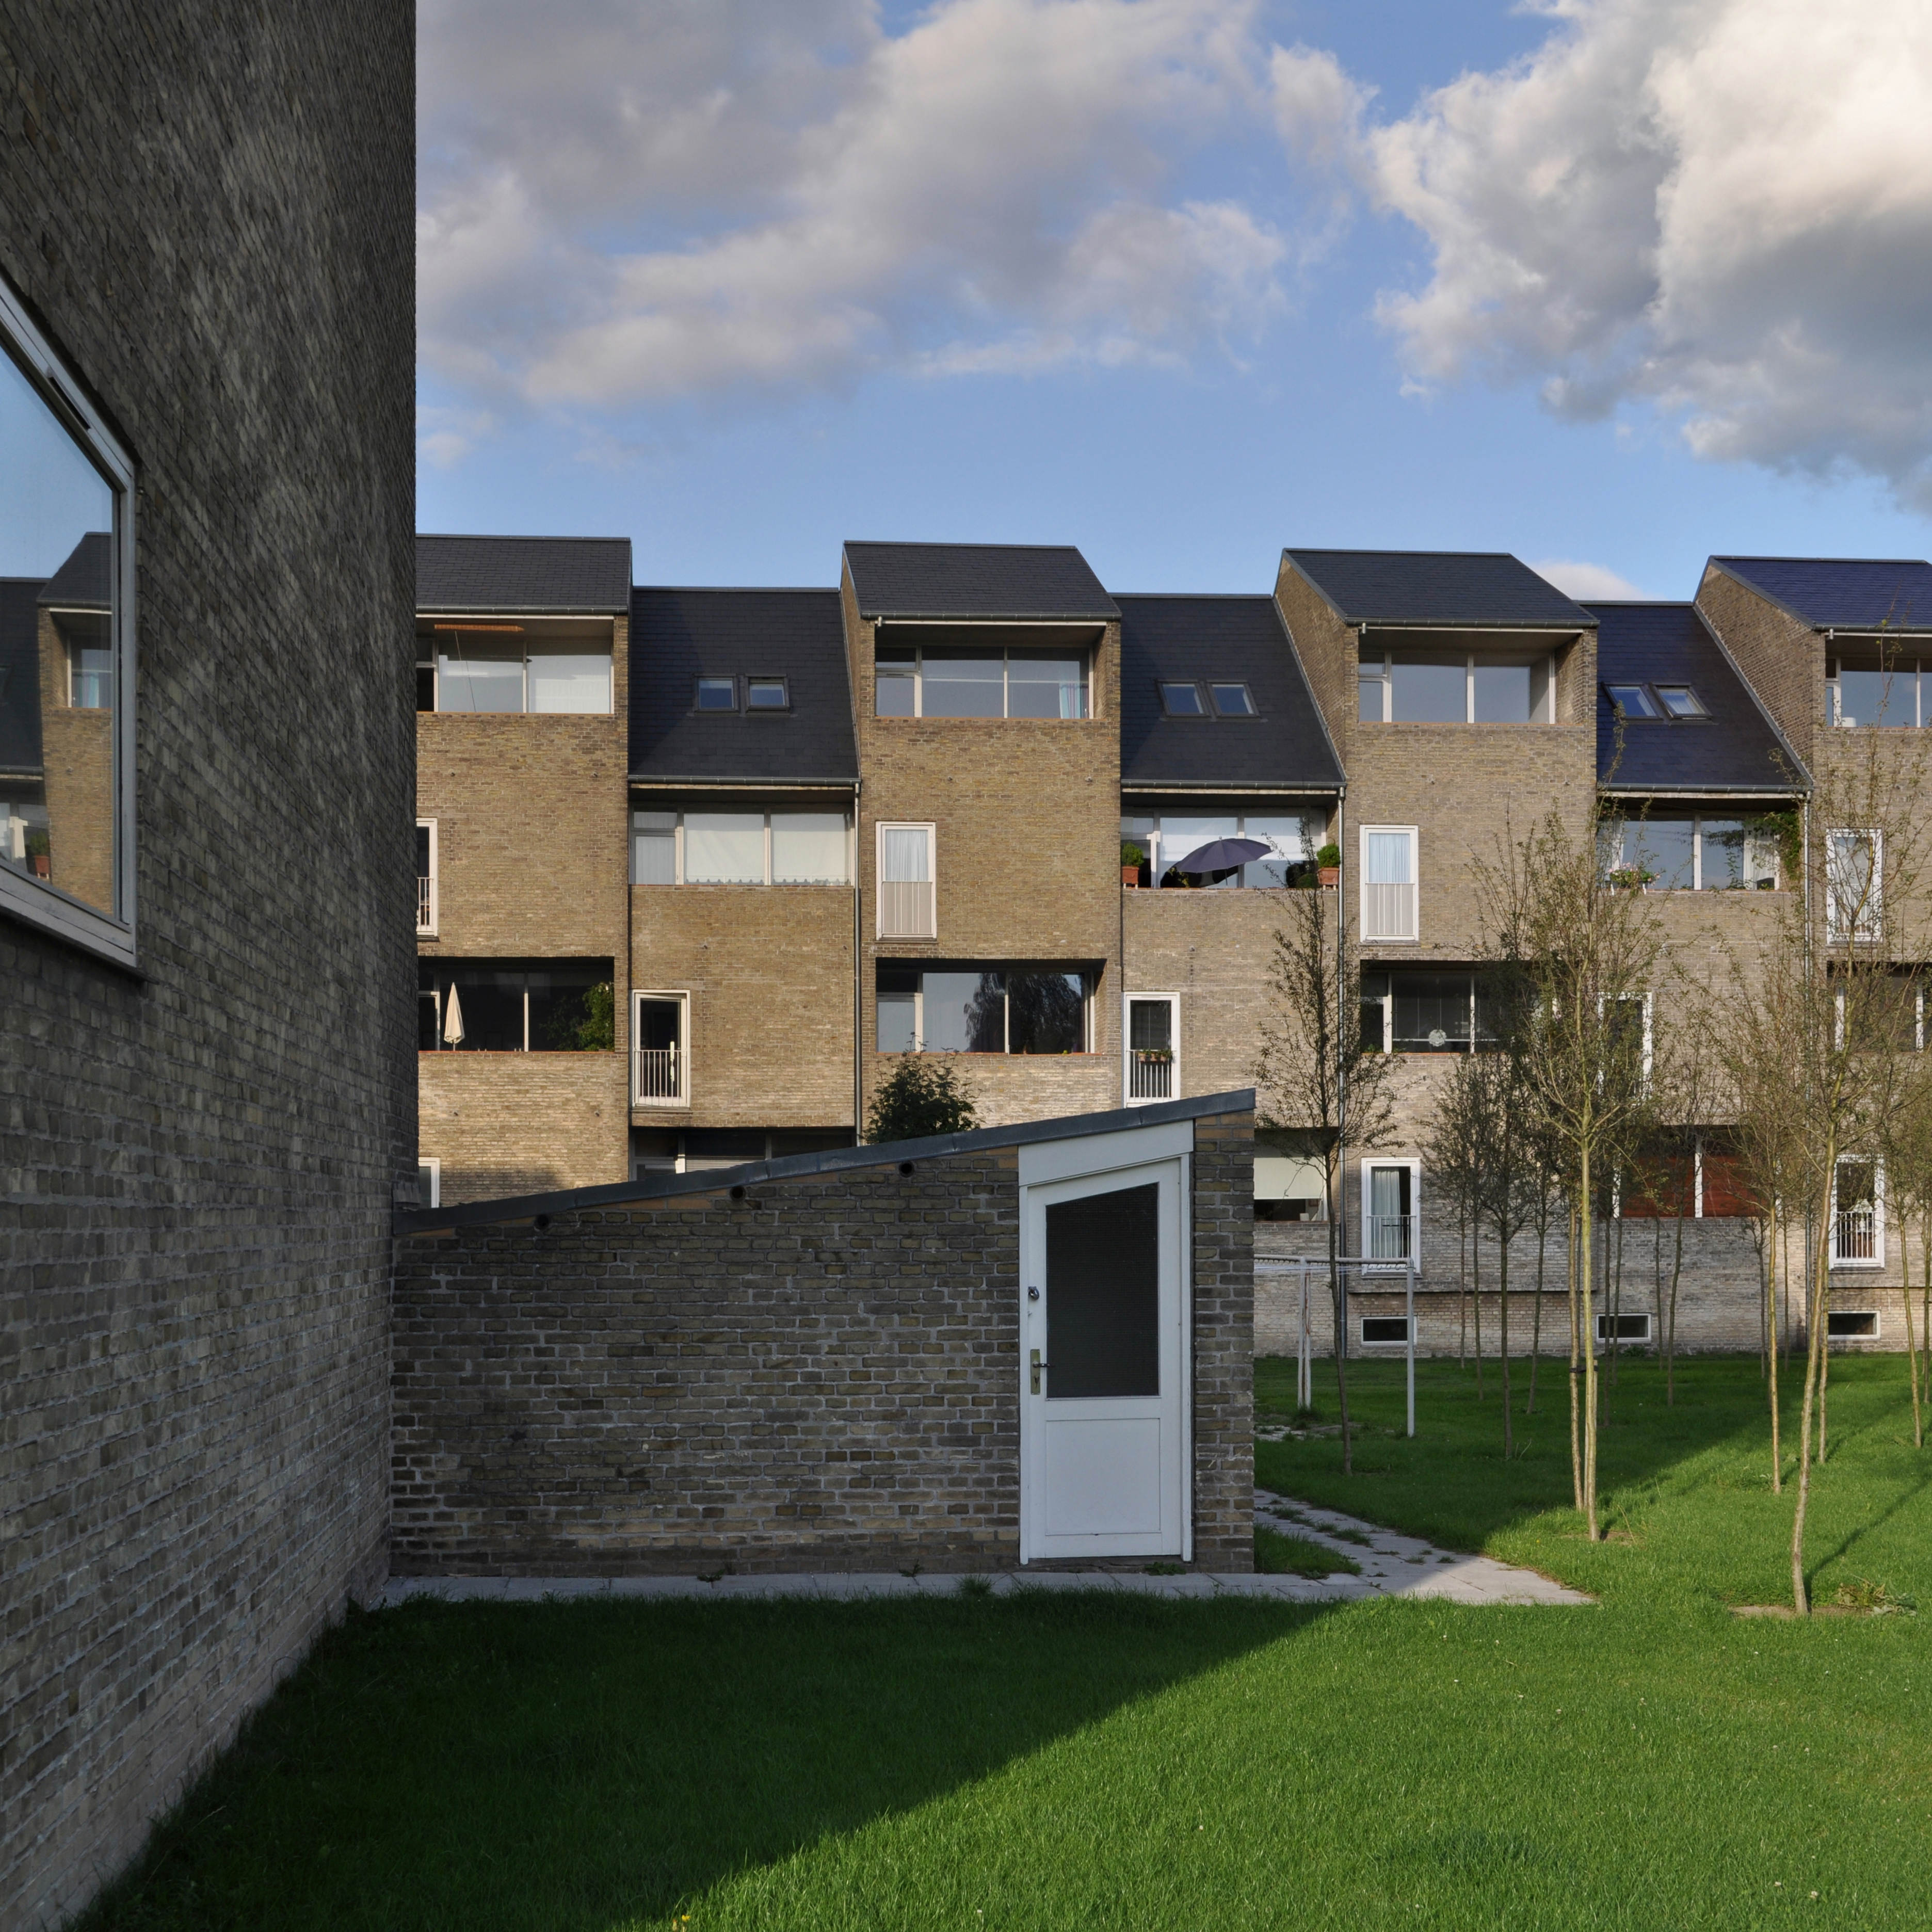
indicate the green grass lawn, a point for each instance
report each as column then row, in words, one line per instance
column 1053, row 1762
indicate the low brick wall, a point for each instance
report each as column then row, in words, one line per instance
column 819, row 1372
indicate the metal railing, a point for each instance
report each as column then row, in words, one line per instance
column 1390, row 1236
column 1150, row 1075
column 1388, row 912
column 906, row 909
column 425, row 903
column 657, row 1076
column 1855, row 1234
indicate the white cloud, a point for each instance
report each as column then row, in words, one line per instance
column 1721, row 207
column 631, row 201
column 1584, row 581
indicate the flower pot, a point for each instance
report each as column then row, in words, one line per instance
column 43, row 866
column 1130, row 875
column 1331, row 875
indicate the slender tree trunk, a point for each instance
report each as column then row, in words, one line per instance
column 1813, row 1354
column 1670, row 1327
column 1589, row 1328
column 1476, row 1253
column 1616, row 1290
column 1536, row 1314
column 1656, row 1285
column 1341, row 1353
column 1576, row 1370
column 1775, row 1235
column 1763, row 1300
column 1462, row 1289
column 1923, row 1366
column 1502, row 1317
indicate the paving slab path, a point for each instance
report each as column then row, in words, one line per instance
column 1392, row 1566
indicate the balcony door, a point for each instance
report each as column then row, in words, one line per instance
column 1390, row 1220
column 1104, row 1360
column 1152, row 1034
column 661, row 1050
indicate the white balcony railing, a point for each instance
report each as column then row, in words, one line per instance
column 658, row 1075
column 1150, row 1075
column 425, row 903
column 1855, row 1234
column 906, row 909
column 1388, row 911
column 1389, row 1237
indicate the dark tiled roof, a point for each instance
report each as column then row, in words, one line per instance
column 1427, row 587
column 85, row 581
column 1845, row 593
column 1014, row 580
column 588, row 576
column 1203, row 637
column 799, row 635
column 20, row 673
column 1736, row 749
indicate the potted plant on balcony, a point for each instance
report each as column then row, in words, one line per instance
column 1131, row 859
column 1328, row 864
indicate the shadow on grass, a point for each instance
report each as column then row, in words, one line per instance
column 576, row 1765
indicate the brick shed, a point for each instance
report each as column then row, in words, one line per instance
column 828, row 1361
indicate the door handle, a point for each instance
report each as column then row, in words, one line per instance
column 1037, row 1365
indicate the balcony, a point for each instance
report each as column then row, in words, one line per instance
column 1388, row 911
column 1150, row 1074
column 906, row 909
column 425, row 905
column 1855, row 1236
column 1390, row 1241
column 657, row 1078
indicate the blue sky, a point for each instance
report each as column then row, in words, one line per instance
column 1628, row 368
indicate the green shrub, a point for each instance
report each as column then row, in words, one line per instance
column 921, row 1096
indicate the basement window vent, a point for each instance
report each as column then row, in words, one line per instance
column 1852, row 1324
column 1385, row 1328
column 1627, row 1327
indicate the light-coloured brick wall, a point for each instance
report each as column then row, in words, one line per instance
column 77, row 758
column 1326, row 647
column 504, row 1123
column 1782, row 658
column 769, row 971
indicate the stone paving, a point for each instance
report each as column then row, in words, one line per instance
column 1391, row 1566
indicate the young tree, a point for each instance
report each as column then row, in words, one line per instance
column 921, row 1096
column 1318, row 1082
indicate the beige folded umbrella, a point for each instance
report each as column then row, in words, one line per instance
column 452, row 1019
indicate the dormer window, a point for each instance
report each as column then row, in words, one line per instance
column 1633, row 700
column 1232, row 700
column 1873, row 686
column 717, row 694
column 765, row 694
column 1432, row 685
column 1680, row 701
column 961, row 681
column 1182, row 701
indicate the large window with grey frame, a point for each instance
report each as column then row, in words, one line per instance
column 780, row 847
column 1418, row 684
column 981, row 1009
column 979, row 681
column 1165, row 838
column 1675, row 850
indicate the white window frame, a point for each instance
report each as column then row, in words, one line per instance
column 1913, row 667
column 456, row 623
column 434, row 1163
column 1876, row 1259
column 1876, row 1316
column 1128, row 1002
column 931, row 923
column 1642, row 1315
column 110, row 932
column 1381, row 1341
column 1385, row 677
column 1872, row 926
column 1368, row 1162
column 1697, row 820
column 681, row 1056
column 426, row 926
column 1089, row 683
column 678, row 878
column 1413, row 936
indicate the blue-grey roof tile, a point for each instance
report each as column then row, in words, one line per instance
column 1842, row 593
column 1040, row 581
column 560, row 576
column 1426, row 588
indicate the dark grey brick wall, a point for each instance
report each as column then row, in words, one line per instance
column 210, row 211
column 822, row 1375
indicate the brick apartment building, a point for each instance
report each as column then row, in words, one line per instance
column 887, row 816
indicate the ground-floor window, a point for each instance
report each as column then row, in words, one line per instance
column 1031, row 1009
column 1623, row 1327
column 1852, row 1324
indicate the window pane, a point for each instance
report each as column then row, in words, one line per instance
column 1046, row 1013
column 1045, row 687
column 1388, row 859
column 1664, row 850
column 903, row 854
column 809, row 847
column 1633, row 700
column 1150, row 1026
column 1103, row 1294
column 570, row 1011
column 1723, row 853
column 765, row 693
column 1181, row 837
column 569, row 680
column 1429, row 688
column 1680, row 700
column 653, row 848
column 422, row 851
column 724, row 848
column 1289, row 840
column 659, row 1024
column 484, row 1007
column 57, row 677
column 1368, row 703
column 1877, row 696
column 965, row 1013
column 896, row 1022
column 893, row 684
column 428, row 1035
column 717, row 694
column 1232, row 700
column 1505, row 693
column 482, row 674
column 965, row 687
column 1182, row 701
column 1431, row 1012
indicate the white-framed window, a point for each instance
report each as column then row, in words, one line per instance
column 1389, row 866
column 1151, row 1048
column 740, row 848
column 1873, row 686
column 1852, row 1324
column 67, row 652
column 1626, row 1328
column 1689, row 851
column 429, row 1180
column 528, row 664
column 979, row 681
column 908, row 883
column 426, row 886
column 1165, row 838
column 661, row 1048
column 980, row 1008
column 1384, row 1331
column 1858, row 1212
column 1391, row 1213
column 1854, row 883
column 1420, row 685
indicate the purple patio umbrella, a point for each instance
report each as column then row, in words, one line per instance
column 1223, row 855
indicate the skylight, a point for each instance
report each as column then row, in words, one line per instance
column 1633, row 700
column 1182, row 701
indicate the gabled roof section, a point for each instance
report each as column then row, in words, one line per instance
column 678, row 636
column 1843, row 593
column 586, row 577
column 19, row 674
column 1201, row 640
column 85, row 581
column 1044, row 582
column 1736, row 748
column 1476, row 589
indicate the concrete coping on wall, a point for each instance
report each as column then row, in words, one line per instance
column 830, row 1160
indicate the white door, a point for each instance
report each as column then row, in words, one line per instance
column 1104, row 1360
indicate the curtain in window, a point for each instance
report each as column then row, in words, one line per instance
column 1388, row 858
column 724, row 848
column 904, row 854
column 809, row 847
